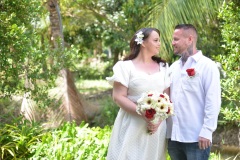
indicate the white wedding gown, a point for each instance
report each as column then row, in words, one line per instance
column 129, row 139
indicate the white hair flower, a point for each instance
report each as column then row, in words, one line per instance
column 139, row 37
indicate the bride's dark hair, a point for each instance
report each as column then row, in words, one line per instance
column 135, row 48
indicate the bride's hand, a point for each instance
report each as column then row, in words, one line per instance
column 153, row 127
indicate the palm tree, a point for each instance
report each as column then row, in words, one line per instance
column 68, row 104
column 56, row 23
column 72, row 105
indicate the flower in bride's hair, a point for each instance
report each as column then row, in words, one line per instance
column 139, row 37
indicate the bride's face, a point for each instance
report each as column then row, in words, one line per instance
column 152, row 43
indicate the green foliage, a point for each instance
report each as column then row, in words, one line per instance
column 22, row 140
column 91, row 87
column 92, row 67
column 230, row 115
column 168, row 13
column 95, row 23
column 98, row 24
column 112, row 23
column 9, row 109
column 73, row 142
column 229, row 16
column 215, row 156
column 137, row 12
column 17, row 138
column 209, row 39
column 108, row 113
column 15, row 34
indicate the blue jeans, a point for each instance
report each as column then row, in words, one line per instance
column 187, row 151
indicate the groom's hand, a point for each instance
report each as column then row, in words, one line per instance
column 204, row 143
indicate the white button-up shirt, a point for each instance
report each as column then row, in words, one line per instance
column 196, row 99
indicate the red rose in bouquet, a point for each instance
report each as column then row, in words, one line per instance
column 149, row 114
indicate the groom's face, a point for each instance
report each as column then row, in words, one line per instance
column 180, row 42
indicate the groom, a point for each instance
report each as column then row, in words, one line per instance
column 196, row 94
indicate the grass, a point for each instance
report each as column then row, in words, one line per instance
column 87, row 87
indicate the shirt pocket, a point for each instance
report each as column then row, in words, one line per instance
column 191, row 85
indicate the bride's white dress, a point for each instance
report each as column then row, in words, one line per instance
column 129, row 139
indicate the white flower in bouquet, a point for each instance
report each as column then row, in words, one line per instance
column 155, row 106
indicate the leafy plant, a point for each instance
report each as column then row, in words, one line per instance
column 229, row 18
column 16, row 34
column 231, row 115
column 73, row 142
column 66, row 142
column 17, row 138
column 108, row 113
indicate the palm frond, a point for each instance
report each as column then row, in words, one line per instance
column 29, row 108
column 168, row 13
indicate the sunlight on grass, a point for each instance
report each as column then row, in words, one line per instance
column 224, row 156
column 215, row 156
column 92, row 86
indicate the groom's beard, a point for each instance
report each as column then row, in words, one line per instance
column 186, row 54
column 178, row 54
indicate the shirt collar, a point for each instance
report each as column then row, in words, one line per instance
column 197, row 56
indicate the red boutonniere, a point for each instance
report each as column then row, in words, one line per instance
column 191, row 72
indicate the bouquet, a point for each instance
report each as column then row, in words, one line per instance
column 155, row 106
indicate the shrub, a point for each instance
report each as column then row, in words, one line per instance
column 73, row 142
column 17, row 138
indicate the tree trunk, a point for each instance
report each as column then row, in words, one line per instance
column 71, row 103
column 116, row 52
column 56, row 24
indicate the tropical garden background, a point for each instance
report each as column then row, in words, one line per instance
column 55, row 55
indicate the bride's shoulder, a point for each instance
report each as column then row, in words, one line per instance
column 122, row 63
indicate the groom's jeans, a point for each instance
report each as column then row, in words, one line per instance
column 187, row 151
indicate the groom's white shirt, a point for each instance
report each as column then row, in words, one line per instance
column 197, row 99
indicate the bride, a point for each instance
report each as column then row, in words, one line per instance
column 141, row 71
